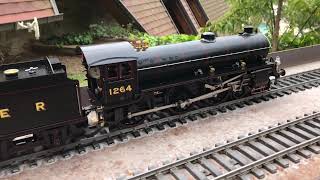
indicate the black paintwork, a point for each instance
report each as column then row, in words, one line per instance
column 153, row 69
column 49, row 84
column 176, row 63
column 157, row 76
column 235, row 46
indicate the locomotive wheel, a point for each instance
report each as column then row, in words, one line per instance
column 179, row 95
column 220, row 98
column 135, row 120
column 245, row 91
column 125, row 122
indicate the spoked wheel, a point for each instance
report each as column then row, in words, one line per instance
column 220, row 98
column 179, row 95
column 245, row 91
column 127, row 123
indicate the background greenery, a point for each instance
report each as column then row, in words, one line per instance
column 301, row 17
column 95, row 32
column 81, row 77
column 100, row 32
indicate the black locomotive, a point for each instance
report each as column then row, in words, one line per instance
column 127, row 83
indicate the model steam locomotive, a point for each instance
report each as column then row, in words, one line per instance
column 41, row 108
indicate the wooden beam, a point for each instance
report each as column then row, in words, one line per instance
column 3, row 37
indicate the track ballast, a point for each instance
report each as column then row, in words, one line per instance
column 248, row 156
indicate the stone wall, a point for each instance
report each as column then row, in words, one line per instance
column 13, row 44
column 78, row 15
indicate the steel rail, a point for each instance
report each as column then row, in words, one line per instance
column 232, row 144
column 286, row 86
column 262, row 161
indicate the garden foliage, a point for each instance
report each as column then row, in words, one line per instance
column 301, row 19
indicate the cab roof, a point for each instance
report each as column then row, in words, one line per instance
column 110, row 53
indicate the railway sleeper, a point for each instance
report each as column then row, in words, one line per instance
column 271, row 146
column 314, row 148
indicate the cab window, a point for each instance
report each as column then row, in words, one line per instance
column 126, row 70
column 113, row 72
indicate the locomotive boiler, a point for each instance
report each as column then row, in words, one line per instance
column 130, row 82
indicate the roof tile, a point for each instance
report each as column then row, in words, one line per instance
column 21, row 10
column 214, row 8
column 152, row 16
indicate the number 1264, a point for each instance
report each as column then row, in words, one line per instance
column 120, row 90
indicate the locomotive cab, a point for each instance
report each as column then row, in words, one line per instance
column 112, row 82
column 119, row 82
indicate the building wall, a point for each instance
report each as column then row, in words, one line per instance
column 13, row 44
column 78, row 15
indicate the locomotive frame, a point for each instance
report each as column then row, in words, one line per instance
column 126, row 84
column 193, row 71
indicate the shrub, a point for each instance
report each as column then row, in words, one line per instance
column 113, row 31
column 94, row 32
column 290, row 40
column 163, row 40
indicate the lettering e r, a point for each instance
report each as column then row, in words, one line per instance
column 4, row 113
column 40, row 106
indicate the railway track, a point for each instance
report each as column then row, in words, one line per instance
column 249, row 156
column 160, row 121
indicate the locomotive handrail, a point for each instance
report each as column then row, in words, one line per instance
column 50, row 65
column 200, row 59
